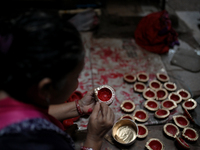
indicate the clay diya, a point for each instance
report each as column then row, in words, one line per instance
column 142, row 77
column 171, row 130
column 141, row 115
column 149, row 94
column 184, row 94
column 168, row 104
column 175, row 97
column 139, row 87
column 142, row 131
column 127, row 106
column 190, row 134
column 155, row 85
column 129, row 78
column 105, row 94
column 154, row 144
column 151, row 105
column 187, row 114
column 162, row 77
column 182, row 144
column 161, row 94
column 125, row 131
column 127, row 116
column 162, row 113
column 181, row 121
column 190, row 104
column 170, row 86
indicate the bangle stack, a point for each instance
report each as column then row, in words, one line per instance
column 78, row 108
column 86, row 148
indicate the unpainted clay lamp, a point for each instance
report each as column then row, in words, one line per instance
column 105, row 94
column 162, row 113
column 181, row 121
column 175, row 97
column 170, row 86
column 127, row 106
column 155, row 84
column 127, row 116
column 171, row 130
column 182, row 144
column 142, row 77
column 154, row 144
column 162, row 77
column 190, row 104
column 190, row 134
column 161, row 94
column 184, row 94
column 168, row 104
column 142, row 131
column 139, row 87
column 149, row 94
column 129, row 78
column 141, row 115
column 151, row 105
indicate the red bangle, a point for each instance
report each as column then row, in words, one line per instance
column 78, row 108
column 86, row 148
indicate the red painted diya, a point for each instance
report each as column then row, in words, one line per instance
column 175, row 97
column 151, row 105
column 154, row 144
column 170, row 86
column 162, row 77
column 187, row 114
column 168, row 104
column 149, row 94
column 155, row 85
column 127, row 106
column 130, row 78
column 171, row 130
column 142, row 77
column 127, row 116
column 182, row 144
column 142, row 131
column 190, row 134
column 184, row 94
column 105, row 94
column 141, row 115
column 162, row 113
column 190, row 104
column 181, row 121
column 161, row 94
column 139, row 87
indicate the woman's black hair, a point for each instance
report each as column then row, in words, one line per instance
column 34, row 46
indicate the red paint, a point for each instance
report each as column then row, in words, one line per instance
column 140, row 86
column 130, row 77
column 142, row 76
column 140, row 115
column 181, row 121
column 104, row 94
column 174, row 97
column 189, row 104
column 128, row 105
column 155, row 145
column 183, row 94
column 149, row 93
column 160, row 94
column 127, row 117
column 190, row 133
column 142, row 130
column 162, row 76
column 161, row 112
column 152, row 104
column 90, row 110
column 168, row 104
column 171, row 129
column 155, row 85
column 170, row 86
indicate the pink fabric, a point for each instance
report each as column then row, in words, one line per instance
column 13, row 111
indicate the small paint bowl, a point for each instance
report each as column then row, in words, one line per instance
column 170, row 86
column 184, row 94
column 127, row 106
column 142, row 131
column 190, row 104
column 171, row 130
column 151, row 105
column 162, row 113
column 190, row 134
column 175, row 97
column 125, row 131
column 149, row 94
column 154, row 144
column 162, row 77
column 181, row 144
column 155, row 85
column 139, row 87
column 141, row 115
column 129, row 78
column 161, row 94
column 142, row 77
column 105, row 94
column 181, row 121
column 168, row 104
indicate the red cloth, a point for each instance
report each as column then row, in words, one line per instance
column 155, row 33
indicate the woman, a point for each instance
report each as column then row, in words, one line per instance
column 41, row 57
